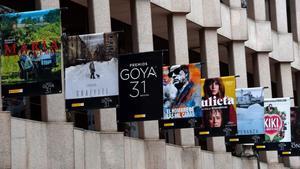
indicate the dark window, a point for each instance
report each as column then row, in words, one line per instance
column 224, row 69
column 288, row 11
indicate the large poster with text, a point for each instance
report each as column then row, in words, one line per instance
column 181, row 96
column 277, row 123
column 250, row 115
column 140, row 87
column 218, row 106
column 91, row 71
column 31, row 53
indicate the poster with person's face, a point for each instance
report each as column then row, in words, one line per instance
column 250, row 115
column 30, row 53
column 294, row 148
column 218, row 106
column 140, row 87
column 277, row 123
column 181, row 96
column 91, row 71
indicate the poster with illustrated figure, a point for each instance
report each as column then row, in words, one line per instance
column 218, row 106
column 181, row 96
column 277, row 124
column 294, row 148
column 30, row 53
column 91, row 71
column 140, row 87
column 250, row 116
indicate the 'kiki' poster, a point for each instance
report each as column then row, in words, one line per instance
column 250, row 115
column 91, row 71
column 31, row 53
column 181, row 96
column 277, row 123
column 218, row 106
column 140, row 87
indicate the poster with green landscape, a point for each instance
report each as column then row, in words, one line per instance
column 30, row 53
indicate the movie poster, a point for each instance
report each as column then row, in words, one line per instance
column 140, row 87
column 218, row 106
column 181, row 96
column 91, row 71
column 31, row 53
column 250, row 115
column 277, row 123
column 294, row 148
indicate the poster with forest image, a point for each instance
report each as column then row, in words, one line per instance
column 30, row 53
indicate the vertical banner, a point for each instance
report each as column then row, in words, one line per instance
column 140, row 87
column 277, row 124
column 218, row 106
column 294, row 148
column 250, row 116
column 31, row 53
column 91, row 71
column 181, row 96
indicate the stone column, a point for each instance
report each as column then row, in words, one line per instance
column 179, row 54
column 5, row 140
column 262, row 74
column 256, row 10
column 60, row 141
column 285, row 83
column 279, row 16
column 99, row 21
column 238, row 62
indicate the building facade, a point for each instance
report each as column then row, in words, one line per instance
column 255, row 39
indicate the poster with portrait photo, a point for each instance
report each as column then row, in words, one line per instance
column 294, row 148
column 250, row 116
column 140, row 87
column 181, row 96
column 91, row 71
column 30, row 53
column 218, row 106
column 277, row 124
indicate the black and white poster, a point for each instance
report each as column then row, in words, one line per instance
column 91, row 71
column 140, row 87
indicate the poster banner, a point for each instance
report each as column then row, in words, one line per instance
column 277, row 123
column 294, row 148
column 30, row 53
column 181, row 96
column 218, row 106
column 140, row 87
column 250, row 116
column 91, row 71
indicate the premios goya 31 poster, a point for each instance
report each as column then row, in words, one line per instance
column 140, row 86
column 218, row 106
column 181, row 96
column 31, row 53
column 91, row 71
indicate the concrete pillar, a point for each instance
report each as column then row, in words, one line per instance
column 238, row 63
column 256, row 10
column 285, row 80
column 53, row 106
column 235, row 3
column 294, row 162
column 179, row 54
column 297, row 77
column 262, row 74
column 210, row 52
column 295, row 19
column 178, row 46
column 141, row 25
column 279, row 16
column 99, row 21
column 5, row 140
column 99, row 16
